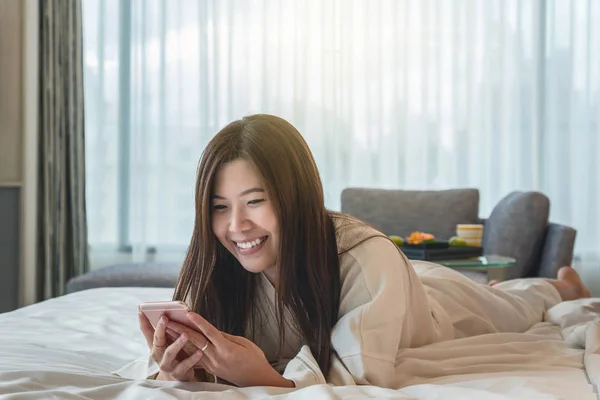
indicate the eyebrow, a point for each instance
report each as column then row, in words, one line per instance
column 244, row 193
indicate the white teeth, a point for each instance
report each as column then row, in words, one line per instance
column 248, row 245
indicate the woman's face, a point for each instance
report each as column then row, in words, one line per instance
column 243, row 218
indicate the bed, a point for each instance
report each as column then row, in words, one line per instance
column 70, row 347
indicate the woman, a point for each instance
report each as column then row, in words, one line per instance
column 286, row 293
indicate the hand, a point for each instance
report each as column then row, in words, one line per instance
column 173, row 363
column 232, row 358
column 148, row 331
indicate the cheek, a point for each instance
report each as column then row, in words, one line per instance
column 218, row 228
column 270, row 222
column 273, row 226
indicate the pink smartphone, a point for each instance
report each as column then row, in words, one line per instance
column 173, row 310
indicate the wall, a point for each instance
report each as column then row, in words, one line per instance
column 19, row 95
column 11, row 146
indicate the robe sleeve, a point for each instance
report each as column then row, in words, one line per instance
column 378, row 287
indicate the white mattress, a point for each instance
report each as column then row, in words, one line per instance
column 67, row 348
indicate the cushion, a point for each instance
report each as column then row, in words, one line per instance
column 517, row 228
column 400, row 212
column 132, row 275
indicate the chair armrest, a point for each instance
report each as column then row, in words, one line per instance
column 517, row 228
column 557, row 250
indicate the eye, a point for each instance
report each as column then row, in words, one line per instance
column 219, row 207
column 252, row 202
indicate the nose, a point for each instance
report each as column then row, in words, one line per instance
column 238, row 221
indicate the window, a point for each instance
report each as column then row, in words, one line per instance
column 501, row 95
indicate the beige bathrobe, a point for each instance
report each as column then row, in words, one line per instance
column 389, row 303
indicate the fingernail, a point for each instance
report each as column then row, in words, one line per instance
column 184, row 336
column 163, row 320
column 198, row 353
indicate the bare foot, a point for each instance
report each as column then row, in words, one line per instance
column 569, row 284
column 493, row 282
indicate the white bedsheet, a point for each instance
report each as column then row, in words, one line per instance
column 67, row 348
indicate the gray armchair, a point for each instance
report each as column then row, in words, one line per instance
column 518, row 226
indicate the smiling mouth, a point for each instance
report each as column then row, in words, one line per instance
column 249, row 244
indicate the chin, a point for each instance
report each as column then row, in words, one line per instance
column 254, row 269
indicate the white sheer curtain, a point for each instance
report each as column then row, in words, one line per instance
column 499, row 95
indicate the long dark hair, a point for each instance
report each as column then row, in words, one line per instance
column 213, row 281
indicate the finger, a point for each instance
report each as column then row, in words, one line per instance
column 197, row 341
column 183, row 367
column 207, row 364
column 178, row 328
column 160, row 339
column 189, row 347
column 170, row 356
column 173, row 335
column 211, row 353
column 146, row 328
column 197, row 338
column 210, row 332
column 242, row 341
